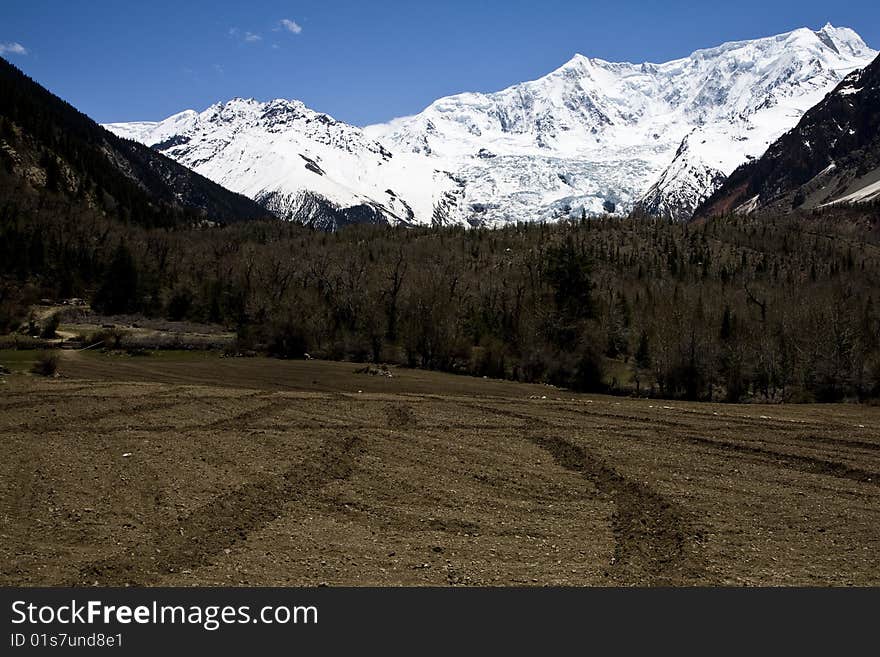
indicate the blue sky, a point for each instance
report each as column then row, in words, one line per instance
column 362, row 62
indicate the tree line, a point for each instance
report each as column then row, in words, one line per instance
column 766, row 308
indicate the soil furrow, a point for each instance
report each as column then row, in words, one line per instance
column 807, row 464
column 228, row 519
column 651, row 536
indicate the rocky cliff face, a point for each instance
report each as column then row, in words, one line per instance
column 832, row 156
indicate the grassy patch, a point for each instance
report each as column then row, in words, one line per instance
column 19, row 360
column 158, row 355
column 618, row 374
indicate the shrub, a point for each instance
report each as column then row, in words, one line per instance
column 287, row 341
column 111, row 338
column 179, row 305
column 532, row 365
column 800, row 395
column 358, row 348
column 874, row 378
column 589, row 371
column 489, row 360
column 118, row 292
column 50, row 327
column 46, row 364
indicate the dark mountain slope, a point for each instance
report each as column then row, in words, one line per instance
column 831, row 156
column 46, row 144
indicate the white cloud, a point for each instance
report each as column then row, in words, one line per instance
column 246, row 36
column 12, row 48
column 291, row 26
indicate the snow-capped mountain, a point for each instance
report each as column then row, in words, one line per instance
column 592, row 136
column 831, row 157
column 302, row 165
column 595, row 133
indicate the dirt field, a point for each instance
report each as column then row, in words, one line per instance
column 172, row 470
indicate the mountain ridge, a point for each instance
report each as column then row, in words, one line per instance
column 832, row 156
column 735, row 116
column 301, row 164
column 48, row 142
column 589, row 136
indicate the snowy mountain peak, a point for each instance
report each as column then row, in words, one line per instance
column 591, row 136
column 301, row 164
column 594, row 134
column 843, row 39
column 580, row 63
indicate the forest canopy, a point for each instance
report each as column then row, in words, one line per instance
column 765, row 308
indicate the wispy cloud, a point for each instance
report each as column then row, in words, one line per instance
column 244, row 36
column 291, row 26
column 12, row 48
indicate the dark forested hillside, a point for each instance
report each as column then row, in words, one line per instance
column 780, row 306
column 48, row 147
column 767, row 308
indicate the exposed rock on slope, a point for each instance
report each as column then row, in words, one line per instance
column 831, row 156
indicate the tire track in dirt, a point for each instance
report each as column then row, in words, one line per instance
column 158, row 401
column 88, row 421
column 13, row 400
column 651, row 534
column 20, row 487
column 16, row 404
column 782, row 427
column 810, row 464
column 807, row 464
column 269, row 405
column 154, row 400
column 802, row 463
column 226, row 520
column 838, row 442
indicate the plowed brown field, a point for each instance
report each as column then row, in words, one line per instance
column 201, row 470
